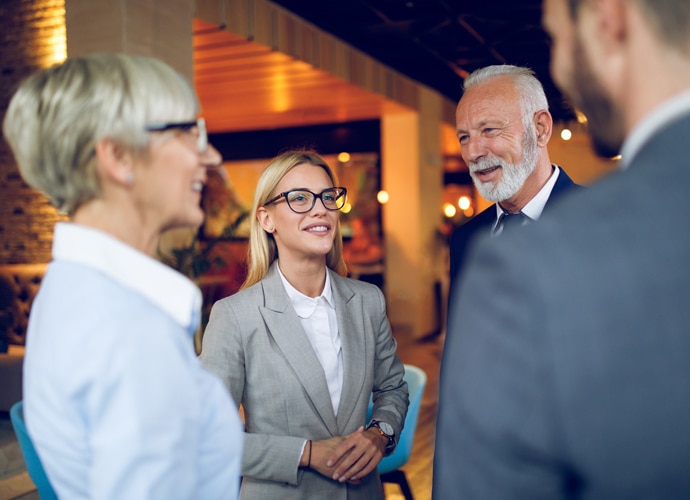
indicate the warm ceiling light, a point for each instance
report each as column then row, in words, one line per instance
column 566, row 134
column 464, row 202
column 51, row 25
column 383, row 197
column 449, row 210
column 344, row 157
column 280, row 97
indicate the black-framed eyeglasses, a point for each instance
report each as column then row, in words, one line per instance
column 302, row 201
column 199, row 124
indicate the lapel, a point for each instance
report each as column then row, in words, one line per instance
column 563, row 184
column 285, row 328
column 349, row 309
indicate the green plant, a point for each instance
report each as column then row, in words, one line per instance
column 194, row 259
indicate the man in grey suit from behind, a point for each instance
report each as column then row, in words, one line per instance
column 566, row 368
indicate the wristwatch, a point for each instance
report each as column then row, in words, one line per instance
column 386, row 430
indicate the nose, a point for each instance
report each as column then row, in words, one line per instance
column 472, row 149
column 318, row 207
column 211, row 158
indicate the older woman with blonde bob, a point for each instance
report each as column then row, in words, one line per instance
column 115, row 399
column 303, row 348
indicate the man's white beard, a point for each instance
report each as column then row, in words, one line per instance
column 513, row 176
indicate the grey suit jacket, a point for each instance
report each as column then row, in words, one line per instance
column 256, row 344
column 566, row 371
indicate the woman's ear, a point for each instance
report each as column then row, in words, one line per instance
column 265, row 220
column 114, row 163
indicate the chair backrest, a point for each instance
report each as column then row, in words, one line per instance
column 33, row 463
column 416, row 381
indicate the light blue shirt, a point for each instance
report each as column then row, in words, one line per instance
column 115, row 400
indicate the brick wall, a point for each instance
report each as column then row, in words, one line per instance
column 32, row 37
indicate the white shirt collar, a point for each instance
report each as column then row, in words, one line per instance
column 304, row 305
column 536, row 205
column 666, row 112
column 169, row 290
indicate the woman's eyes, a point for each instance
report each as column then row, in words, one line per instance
column 298, row 197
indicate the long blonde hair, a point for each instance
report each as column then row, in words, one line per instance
column 262, row 246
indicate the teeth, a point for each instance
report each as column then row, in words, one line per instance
column 197, row 186
column 318, row 228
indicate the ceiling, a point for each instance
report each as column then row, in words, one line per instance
column 438, row 42
column 245, row 86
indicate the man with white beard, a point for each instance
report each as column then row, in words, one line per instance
column 504, row 126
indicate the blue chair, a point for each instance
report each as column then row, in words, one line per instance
column 390, row 467
column 33, row 463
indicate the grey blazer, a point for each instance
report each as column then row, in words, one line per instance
column 256, row 344
column 567, row 362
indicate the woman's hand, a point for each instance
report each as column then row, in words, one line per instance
column 320, row 452
column 356, row 455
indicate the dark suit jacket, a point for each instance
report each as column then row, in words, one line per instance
column 566, row 368
column 483, row 222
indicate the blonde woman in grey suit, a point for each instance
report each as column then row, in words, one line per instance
column 303, row 348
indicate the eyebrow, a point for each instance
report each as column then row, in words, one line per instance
column 479, row 126
column 493, row 123
column 307, row 189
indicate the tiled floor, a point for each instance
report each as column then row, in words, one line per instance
column 426, row 355
column 18, row 487
column 15, row 483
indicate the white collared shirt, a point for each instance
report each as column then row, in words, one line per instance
column 535, row 206
column 320, row 323
column 171, row 291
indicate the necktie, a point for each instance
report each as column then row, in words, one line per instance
column 509, row 220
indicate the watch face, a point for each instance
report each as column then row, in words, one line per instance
column 386, row 428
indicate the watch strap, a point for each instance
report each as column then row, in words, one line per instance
column 390, row 446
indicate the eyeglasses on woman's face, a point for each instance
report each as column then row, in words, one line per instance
column 197, row 126
column 302, row 201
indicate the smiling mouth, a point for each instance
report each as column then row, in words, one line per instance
column 317, row 229
column 486, row 171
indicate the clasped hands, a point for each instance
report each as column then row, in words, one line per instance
column 347, row 458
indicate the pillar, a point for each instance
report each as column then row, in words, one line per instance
column 412, row 175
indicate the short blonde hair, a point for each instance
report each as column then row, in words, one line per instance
column 262, row 246
column 57, row 116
